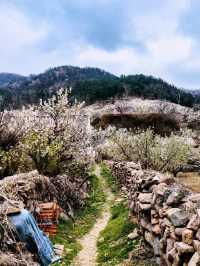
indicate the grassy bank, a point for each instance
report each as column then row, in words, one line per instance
column 110, row 179
column 114, row 245
column 69, row 232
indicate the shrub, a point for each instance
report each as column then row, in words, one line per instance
column 60, row 136
column 148, row 149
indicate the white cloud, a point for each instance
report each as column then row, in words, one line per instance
column 19, row 37
column 171, row 49
column 156, row 30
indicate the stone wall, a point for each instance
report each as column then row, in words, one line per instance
column 168, row 214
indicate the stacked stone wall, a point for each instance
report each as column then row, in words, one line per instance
column 168, row 213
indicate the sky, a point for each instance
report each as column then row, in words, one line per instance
column 153, row 37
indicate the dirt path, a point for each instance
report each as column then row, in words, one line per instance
column 88, row 255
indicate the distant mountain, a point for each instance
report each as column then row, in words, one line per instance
column 88, row 84
column 195, row 92
column 9, row 78
column 20, row 90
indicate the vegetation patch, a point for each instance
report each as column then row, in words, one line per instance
column 110, row 179
column 162, row 124
column 69, row 232
column 113, row 244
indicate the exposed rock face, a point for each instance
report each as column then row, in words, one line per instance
column 168, row 214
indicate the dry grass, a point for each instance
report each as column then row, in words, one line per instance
column 190, row 180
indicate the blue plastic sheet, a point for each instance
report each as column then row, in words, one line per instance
column 35, row 239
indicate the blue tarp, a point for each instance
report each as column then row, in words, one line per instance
column 35, row 239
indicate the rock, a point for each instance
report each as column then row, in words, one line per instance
column 162, row 212
column 144, row 206
column 198, row 234
column 167, row 180
column 187, row 236
column 177, row 216
column 198, row 212
column 177, row 260
column 170, row 244
column 166, row 222
column 172, row 233
column 156, row 246
column 59, row 249
column 194, row 197
column 175, row 196
column 183, row 248
column 166, row 233
column 149, row 238
column 145, row 197
column 194, row 223
column 134, row 234
column 160, row 189
column 189, row 206
column 156, row 229
column 171, row 254
column 144, row 224
column 179, row 231
column 196, row 245
column 154, row 221
column 195, row 260
column 132, row 205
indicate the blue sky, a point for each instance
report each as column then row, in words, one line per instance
column 154, row 37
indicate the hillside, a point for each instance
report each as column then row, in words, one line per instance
column 89, row 85
column 10, row 78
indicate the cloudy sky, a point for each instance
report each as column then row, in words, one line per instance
column 154, row 37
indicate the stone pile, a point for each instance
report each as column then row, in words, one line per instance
column 168, row 214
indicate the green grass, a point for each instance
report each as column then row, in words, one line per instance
column 69, row 232
column 110, row 179
column 113, row 244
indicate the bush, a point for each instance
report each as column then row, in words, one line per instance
column 150, row 150
column 60, row 136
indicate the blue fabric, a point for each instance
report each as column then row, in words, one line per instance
column 35, row 239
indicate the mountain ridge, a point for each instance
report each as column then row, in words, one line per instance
column 88, row 84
